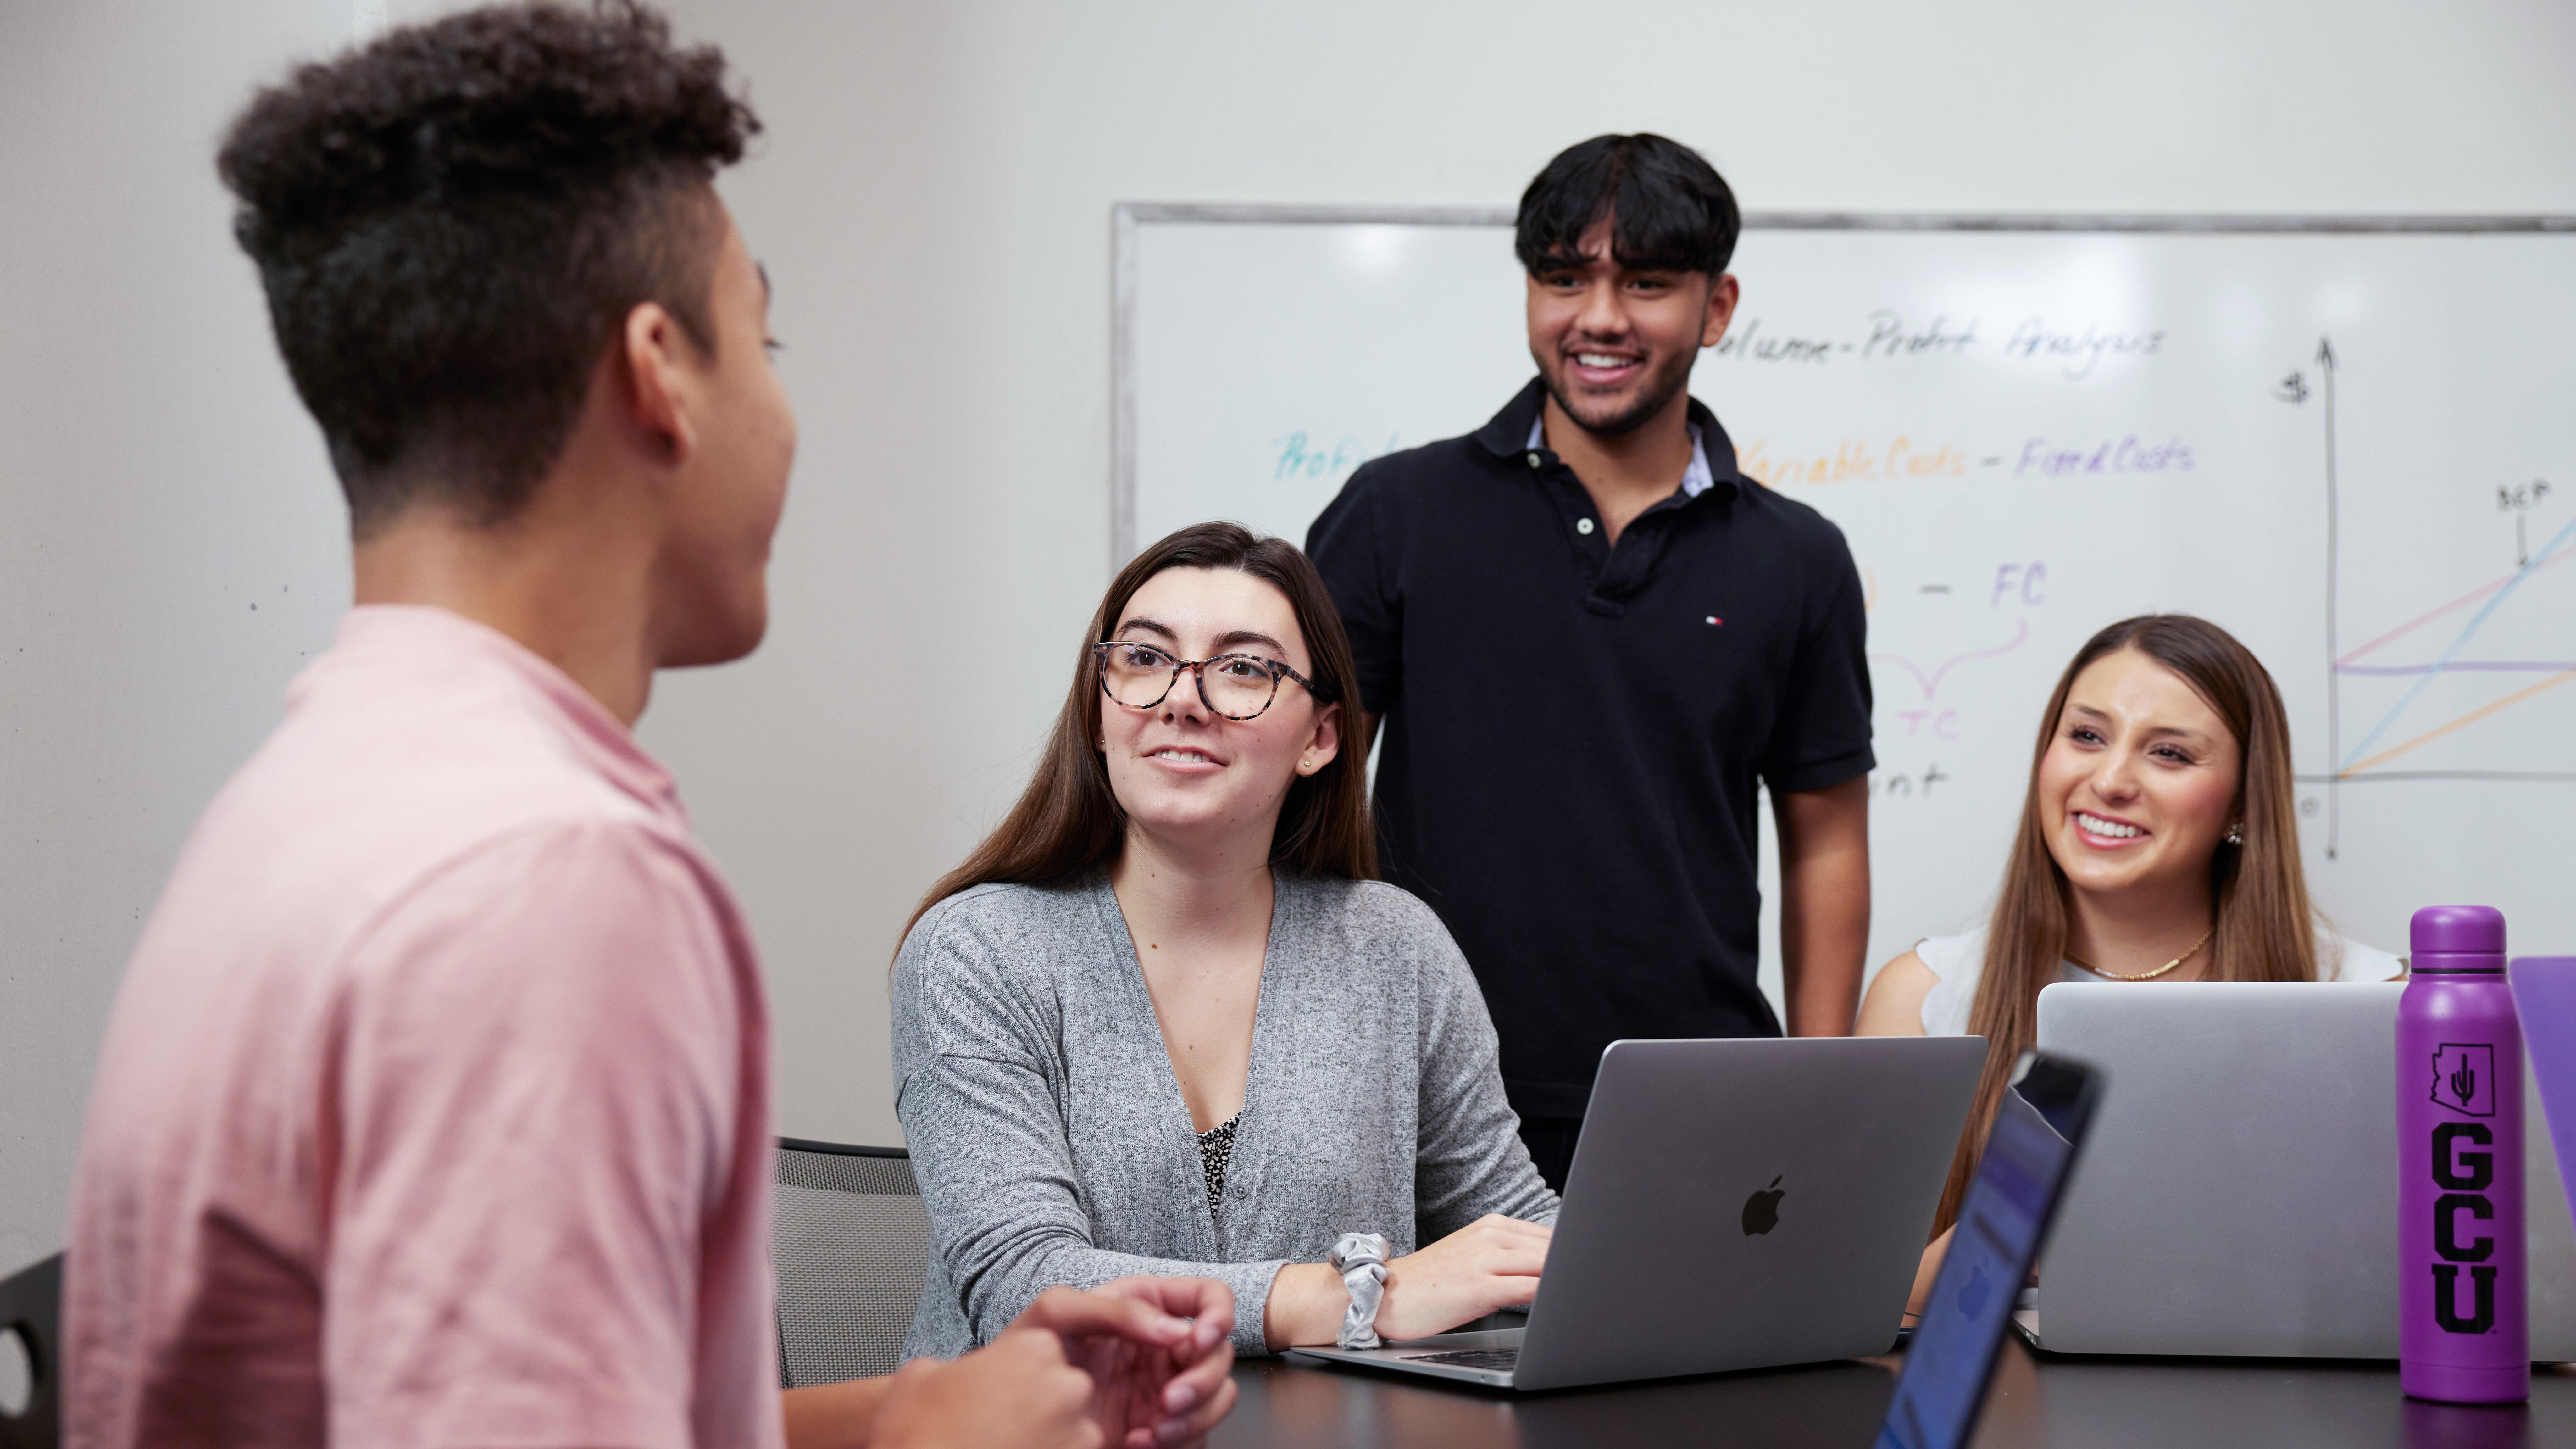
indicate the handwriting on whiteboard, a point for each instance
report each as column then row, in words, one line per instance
column 1300, row 456
column 2078, row 354
column 1902, row 456
column 2075, row 349
column 2057, row 457
column 1905, row 784
column 1931, row 679
column 1905, row 457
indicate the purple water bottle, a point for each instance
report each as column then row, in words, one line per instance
column 2466, row 1334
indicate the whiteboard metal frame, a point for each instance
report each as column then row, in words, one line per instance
column 1127, row 216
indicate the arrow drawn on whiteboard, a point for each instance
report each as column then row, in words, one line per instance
column 1932, row 681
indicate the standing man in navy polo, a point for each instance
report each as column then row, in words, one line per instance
column 1587, row 638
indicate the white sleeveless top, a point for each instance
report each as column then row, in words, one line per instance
column 1960, row 960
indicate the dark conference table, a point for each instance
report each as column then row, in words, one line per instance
column 2065, row 1403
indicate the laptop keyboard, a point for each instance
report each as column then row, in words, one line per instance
column 1474, row 1358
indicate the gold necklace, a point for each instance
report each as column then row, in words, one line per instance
column 2146, row 975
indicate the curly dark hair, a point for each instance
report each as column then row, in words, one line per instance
column 453, row 222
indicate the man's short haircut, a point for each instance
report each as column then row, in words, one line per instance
column 1672, row 212
column 453, row 223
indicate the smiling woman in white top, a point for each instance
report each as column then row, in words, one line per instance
column 2159, row 842
column 1958, row 963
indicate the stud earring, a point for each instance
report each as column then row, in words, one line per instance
column 1104, row 744
column 2236, row 833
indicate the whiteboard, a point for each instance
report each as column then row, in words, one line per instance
column 2350, row 442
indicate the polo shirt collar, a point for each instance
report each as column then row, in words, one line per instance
column 1518, row 429
column 1696, row 479
column 422, row 647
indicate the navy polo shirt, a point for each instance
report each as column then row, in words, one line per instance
column 1572, row 733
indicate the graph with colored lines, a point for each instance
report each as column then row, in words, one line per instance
column 2389, row 738
column 2470, row 687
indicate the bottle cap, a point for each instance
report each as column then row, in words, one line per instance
column 2472, row 937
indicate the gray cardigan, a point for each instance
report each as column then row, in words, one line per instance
column 1053, row 1146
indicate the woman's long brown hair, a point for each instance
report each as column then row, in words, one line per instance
column 1068, row 820
column 2265, row 929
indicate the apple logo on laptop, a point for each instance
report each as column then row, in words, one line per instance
column 1972, row 1294
column 1762, row 1210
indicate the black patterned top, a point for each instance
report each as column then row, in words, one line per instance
column 1216, row 1149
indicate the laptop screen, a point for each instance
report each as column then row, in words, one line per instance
column 1991, row 1252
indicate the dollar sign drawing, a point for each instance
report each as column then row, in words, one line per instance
column 2464, row 1082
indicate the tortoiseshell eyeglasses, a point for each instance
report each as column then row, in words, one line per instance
column 1237, row 686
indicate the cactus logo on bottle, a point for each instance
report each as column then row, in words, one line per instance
column 2464, row 1078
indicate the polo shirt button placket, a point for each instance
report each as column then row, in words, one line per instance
column 1583, row 526
column 1534, row 458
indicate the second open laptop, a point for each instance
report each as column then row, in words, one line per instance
column 1732, row 1204
column 2240, row 1195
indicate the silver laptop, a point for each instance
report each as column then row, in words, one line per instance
column 2239, row 1191
column 1732, row 1204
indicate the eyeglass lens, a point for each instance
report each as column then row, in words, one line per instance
column 1138, row 676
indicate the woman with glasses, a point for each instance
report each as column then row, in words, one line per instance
column 1165, row 1021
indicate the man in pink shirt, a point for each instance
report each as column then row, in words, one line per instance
column 435, row 1106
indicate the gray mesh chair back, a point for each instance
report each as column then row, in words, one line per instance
column 853, row 1244
column 31, row 1309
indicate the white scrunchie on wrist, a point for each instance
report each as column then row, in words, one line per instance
column 1361, row 1260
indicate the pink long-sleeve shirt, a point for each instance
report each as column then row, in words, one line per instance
column 434, row 1108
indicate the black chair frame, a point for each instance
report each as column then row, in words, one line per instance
column 31, row 1307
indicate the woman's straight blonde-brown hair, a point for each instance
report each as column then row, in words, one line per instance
column 1068, row 820
column 2264, row 929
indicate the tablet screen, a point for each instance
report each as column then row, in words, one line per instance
column 1997, row 1239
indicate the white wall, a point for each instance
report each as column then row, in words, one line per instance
column 933, row 203
column 170, row 543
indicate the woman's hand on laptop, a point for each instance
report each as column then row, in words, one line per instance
column 1491, row 1263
